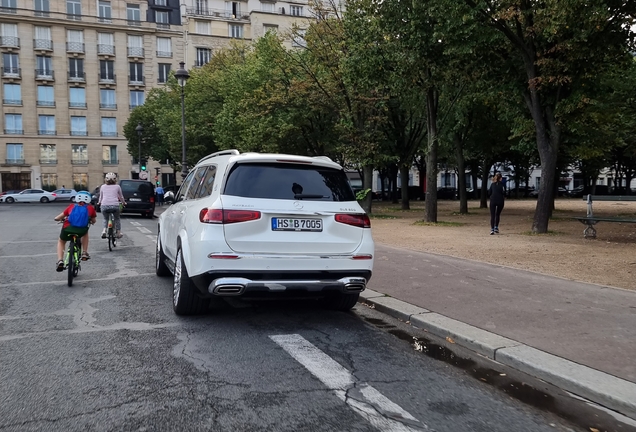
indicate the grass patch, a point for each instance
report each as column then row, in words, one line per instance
column 549, row 233
column 381, row 216
column 439, row 223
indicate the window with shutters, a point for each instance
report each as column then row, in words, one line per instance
column 78, row 126
column 104, row 11
column 164, row 72
column 44, row 66
column 236, row 31
column 9, row 35
column 75, row 41
column 136, row 73
column 107, row 99
column 107, row 71
column 12, row 94
column 46, row 96
column 202, row 27
column 76, row 70
column 42, row 39
column 135, row 46
column 13, row 124
column 105, row 43
column 164, row 47
column 203, row 56
column 109, row 126
column 74, row 10
column 77, row 97
column 41, row 8
column 46, row 125
column 133, row 15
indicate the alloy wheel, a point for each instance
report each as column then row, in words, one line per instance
column 176, row 288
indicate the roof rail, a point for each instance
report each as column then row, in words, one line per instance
column 219, row 153
column 325, row 158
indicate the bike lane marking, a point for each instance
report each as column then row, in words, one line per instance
column 364, row 399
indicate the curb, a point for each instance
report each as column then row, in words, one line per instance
column 604, row 389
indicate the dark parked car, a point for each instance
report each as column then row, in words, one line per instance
column 446, row 193
column 139, row 196
column 95, row 197
column 577, row 192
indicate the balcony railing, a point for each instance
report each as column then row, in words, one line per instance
column 104, row 20
column 11, row 72
column 166, row 54
column 12, row 161
column 107, row 106
column 134, row 23
column 79, row 133
column 107, row 79
column 109, row 134
column 105, row 49
column 77, row 104
column 74, row 17
column 133, row 106
column 42, row 13
column 220, row 13
column 137, row 81
column 77, row 76
column 13, row 131
column 44, row 74
column 12, row 101
column 43, row 44
column 9, row 10
column 135, row 52
column 46, row 132
column 163, row 26
column 10, row 41
column 110, row 162
column 48, row 161
column 45, row 103
column 76, row 161
column 75, row 47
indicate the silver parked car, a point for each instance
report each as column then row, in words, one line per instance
column 65, row 194
column 29, row 195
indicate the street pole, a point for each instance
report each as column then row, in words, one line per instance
column 140, row 130
column 182, row 75
column 184, row 168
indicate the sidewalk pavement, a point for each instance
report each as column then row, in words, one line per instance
column 577, row 336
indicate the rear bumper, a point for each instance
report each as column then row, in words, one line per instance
column 256, row 284
column 133, row 207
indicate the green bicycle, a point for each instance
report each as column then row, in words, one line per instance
column 72, row 259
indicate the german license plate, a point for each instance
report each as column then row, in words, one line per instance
column 296, row 224
column 134, row 199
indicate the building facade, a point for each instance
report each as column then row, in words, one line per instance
column 72, row 70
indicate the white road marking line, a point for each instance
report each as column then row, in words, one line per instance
column 135, row 223
column 144, row 230
column 151, row 237
column 365, row 400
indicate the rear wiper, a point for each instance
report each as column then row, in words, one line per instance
column 301, row 196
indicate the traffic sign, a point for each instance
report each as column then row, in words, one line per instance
column 143, row 175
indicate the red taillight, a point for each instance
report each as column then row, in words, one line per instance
column 54, row 194
column 152, row 199
column 359, row 220
column 362, row 257
column 218, row 216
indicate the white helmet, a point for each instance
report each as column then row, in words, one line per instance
column 83, row 196
column 110, row 176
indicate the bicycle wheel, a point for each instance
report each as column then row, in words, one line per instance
column 78, row 256
column 71, row 262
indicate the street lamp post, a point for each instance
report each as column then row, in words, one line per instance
column 182, row 76
column 140, row 131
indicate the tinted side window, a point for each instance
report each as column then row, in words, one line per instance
column 208, row 183
column 184, row 187
column 288, row 181
column 191, row 193
column 130, row 187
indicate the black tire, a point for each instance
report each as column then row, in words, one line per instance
column 110, row 240
column 72, row 199
column 185, row 299
column 161, row 269
column 44, row 200
column 71, row 264
column 10, row 200
column 342, row 301
column 150, row 215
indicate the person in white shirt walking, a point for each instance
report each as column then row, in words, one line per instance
column 110, row 198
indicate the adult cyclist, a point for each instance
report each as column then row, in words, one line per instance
column 110, row 198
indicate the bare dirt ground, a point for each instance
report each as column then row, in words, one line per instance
column 608, row 260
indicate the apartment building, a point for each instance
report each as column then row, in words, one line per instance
column 72, row 70
column 212, row 24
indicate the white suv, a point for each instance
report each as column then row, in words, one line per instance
column 255, row 225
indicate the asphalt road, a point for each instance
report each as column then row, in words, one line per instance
column 108, row 354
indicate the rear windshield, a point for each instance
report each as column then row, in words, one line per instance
column 288, row 181
column 136, row 187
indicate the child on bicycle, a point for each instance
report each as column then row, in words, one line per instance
column 75, row 225
column 110, row 198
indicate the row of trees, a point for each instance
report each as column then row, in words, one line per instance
column 392, row 83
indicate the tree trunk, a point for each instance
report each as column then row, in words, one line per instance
column 367, row 182
column 461, row 174
column 404, row 179
column 483, row 200
column 431, row 156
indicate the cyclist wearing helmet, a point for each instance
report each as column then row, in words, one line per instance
column 82, row 199
column 110, row 196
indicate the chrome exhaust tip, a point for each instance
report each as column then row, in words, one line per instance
column 228, row 286
column 354, row 284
